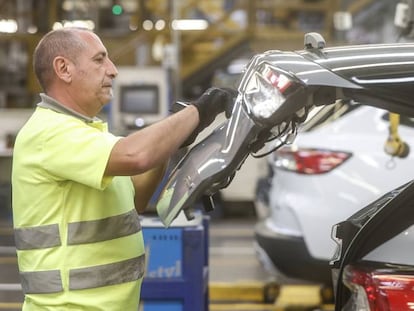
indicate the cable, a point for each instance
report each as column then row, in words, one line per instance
column 282, row 143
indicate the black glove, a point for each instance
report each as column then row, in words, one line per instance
column 213, row 102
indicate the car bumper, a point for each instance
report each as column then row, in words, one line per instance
column 289, row 256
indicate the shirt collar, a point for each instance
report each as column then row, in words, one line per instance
column 50, row 103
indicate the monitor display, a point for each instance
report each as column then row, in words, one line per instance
column 139, row 99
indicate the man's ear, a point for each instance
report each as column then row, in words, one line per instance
column 62, row 67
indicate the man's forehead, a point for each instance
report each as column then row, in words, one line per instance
column 92, row 40
column 88, row 36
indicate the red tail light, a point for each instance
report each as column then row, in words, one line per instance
column 380, row 290
column 309, row 161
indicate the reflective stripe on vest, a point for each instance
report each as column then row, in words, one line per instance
column 37, row 237
column 41, row 237
column 103, row 229
column 42, row 282
column 109, row 274
column 78, row 232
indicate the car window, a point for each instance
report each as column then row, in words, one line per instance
column 323, row 115
column 396, row 250
column 390, row 232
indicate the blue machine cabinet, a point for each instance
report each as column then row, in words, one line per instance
column 176, row 278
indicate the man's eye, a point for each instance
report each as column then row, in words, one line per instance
column 99, row 60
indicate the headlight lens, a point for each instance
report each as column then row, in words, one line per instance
column 265, row 91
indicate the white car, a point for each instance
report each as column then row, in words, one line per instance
column 335, row 167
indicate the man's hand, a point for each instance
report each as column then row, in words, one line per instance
column 213, row 102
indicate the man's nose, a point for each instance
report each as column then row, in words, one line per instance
column 112, row 71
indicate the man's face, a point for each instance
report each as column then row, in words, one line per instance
column 93, row 75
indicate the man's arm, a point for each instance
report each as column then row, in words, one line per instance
column 145, row 185
column 152, row 146
column 155, row 144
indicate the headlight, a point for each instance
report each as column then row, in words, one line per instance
column 266, row 90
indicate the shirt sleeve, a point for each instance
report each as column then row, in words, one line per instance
column 78, row 152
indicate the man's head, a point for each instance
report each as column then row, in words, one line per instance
column 72, row 65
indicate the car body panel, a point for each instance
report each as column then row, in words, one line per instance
column 328, row 198
column 209, row 162
column 316, row 77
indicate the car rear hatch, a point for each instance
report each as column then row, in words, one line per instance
column 373, row 267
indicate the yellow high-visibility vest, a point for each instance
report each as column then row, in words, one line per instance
column 78, row 237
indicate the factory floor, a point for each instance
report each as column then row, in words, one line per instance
column 236, row 278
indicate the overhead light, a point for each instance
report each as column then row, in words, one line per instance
column 147, row 25
column 189, row 24
column 160, row 24
column 8, row 26
column 89, row 24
